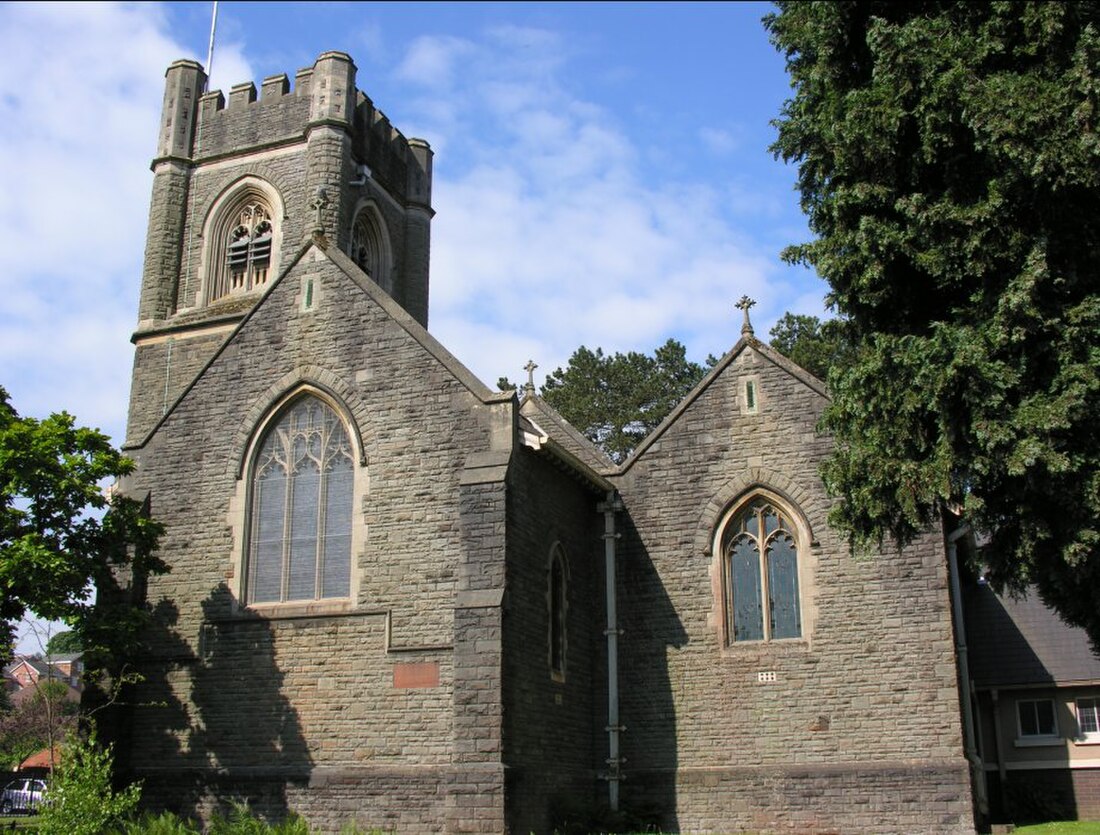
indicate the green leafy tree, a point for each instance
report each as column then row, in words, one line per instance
column 63, row 643
column 618, row 399
column 60, row 534
column 815, row 345
column 949, row 162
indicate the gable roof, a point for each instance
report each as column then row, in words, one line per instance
column 746, row 342
column 564, row 433
column 1018, row 642
column 352, row 271
column 535, row 437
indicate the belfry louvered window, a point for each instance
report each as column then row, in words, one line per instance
column 367, row 246
column 241, row 249
column 248, row 253
column 760, row 565
column 301, row 507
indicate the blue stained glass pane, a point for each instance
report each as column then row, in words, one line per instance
column 771, row 522
column 266, row 558
column 744, row 567
column 783, row 587
column 305, row 492
column 752, row 524
column 336, row 553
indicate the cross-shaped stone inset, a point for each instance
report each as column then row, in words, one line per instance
column 529, row 387
column 743, row 305
column 318, row 204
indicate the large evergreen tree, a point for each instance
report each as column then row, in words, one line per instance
column 617, row 399
column 949, row 163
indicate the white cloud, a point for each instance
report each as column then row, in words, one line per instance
column 554, row 239
column 719, row 142
column 80, row 101
column 431, row 61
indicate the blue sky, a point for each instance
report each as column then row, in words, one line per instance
column 602, row 173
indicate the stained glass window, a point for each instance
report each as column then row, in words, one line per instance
column 300, row 547
column 760, row 559
column 557, row 612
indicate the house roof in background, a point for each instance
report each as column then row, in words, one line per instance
column 1023, row 641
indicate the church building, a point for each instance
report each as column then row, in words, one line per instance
column 403, row 600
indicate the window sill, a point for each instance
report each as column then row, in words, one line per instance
column 295, row 609
column 1093, row 739
column 1039, row 742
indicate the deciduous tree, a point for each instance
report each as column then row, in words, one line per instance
column 60, row 534
column 949, row 163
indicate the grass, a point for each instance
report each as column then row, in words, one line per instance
column 1062, row 828
column 24, row 823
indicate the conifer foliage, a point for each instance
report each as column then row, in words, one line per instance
column 949, row 163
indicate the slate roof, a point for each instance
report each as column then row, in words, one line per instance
column 1023, row 642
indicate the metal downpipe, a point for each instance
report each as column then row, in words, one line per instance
column 614, row 760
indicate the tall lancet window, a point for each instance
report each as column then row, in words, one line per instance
column 760, row 568
column 301, row 507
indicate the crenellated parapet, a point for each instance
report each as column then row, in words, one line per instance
column 202, row 127
column 242, row 178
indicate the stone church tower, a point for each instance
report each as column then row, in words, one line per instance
column 238, row 186
column 402, row 600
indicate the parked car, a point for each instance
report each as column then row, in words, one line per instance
column 22, row 795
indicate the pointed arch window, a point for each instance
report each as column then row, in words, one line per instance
column 368, row 247
column 242, row 241
column 760, row 574
column 248, row 254
column 301, row 507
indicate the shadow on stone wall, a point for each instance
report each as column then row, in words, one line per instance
column 236, row 740
column 651, row 628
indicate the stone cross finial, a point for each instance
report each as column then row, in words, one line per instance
column 529, row 388
column 318, row 204
column 743, row 306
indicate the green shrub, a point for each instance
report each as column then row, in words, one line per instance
column 166, row 823
column 80, row 800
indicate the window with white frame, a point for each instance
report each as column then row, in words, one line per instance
column 1088, row 719
column 557, row 604
column 299, row 544
column 760, row 574
column 1036, row 721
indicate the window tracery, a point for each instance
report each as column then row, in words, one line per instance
column 248, row 255
column 301, row 507
column 242, row 241
column 760, row 569
column 367, row 246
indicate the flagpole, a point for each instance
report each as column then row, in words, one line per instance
column 210, row 51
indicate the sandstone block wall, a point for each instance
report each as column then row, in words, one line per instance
column 871, row 685
column 550, row 751
column 280, row 701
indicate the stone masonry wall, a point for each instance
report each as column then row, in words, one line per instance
column 869, row 689
column 549, row 744
column 311, row 697
column 273, row 139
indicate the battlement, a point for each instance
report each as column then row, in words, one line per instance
column 200, row 127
